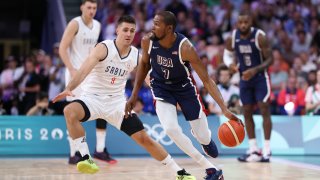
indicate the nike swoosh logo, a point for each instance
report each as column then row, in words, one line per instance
column 184, row 85
column 153, row 47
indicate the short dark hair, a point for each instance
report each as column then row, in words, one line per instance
column 92, row 1
column 168, row 18
column 127, row 19
column 222, row 67
column 245, row 13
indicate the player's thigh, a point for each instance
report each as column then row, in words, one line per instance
column 247, row 94
column 92, row 105
column 262, row 91
column 190, row 103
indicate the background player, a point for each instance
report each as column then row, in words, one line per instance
column 80, row 36
column 107, row 69
column 169, row 54
column 254, row 56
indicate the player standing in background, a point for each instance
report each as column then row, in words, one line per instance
column 254, row 57
column 80, row 36
column 106, row 70
column 169, row 55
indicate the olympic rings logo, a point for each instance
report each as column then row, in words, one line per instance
column 158, row 134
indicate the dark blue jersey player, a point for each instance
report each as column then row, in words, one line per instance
column 253, row 54
column 169, row 55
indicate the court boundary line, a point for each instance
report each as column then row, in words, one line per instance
column 296, row 164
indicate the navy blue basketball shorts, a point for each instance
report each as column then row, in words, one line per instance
column 187, row 98
column 255, row 91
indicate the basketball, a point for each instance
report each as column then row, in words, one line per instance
column 231, row 133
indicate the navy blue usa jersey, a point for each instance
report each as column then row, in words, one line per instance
column 248, row 51
column 166, row 64
column 171, row 80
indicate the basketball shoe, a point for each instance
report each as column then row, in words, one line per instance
column 183, row 175
column 251, row 157
column 210, row 149
column 214, row 174
column 75, row 159
column 266, row 158
column 87, row 166
column 104, row 156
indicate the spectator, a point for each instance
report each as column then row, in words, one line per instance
column 226, row 88
column 291, row 99
column 41, row 107
column 312, row 98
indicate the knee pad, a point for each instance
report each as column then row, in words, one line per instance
column 131, row 125
column 101, row 124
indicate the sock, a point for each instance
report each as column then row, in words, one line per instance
column 205, row 163
column 101, row 140
column 253, row 145
column 72, row 147
column 266, row 148
column 170, row 163
column 82, row 145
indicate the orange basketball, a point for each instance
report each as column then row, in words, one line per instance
column 231, row 133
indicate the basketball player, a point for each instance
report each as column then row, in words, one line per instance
column 80, row 36
column 107, row 69
column 169, row 54
column 254, row 57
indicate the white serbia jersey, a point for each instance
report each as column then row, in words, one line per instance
column 82, row 43
column 110, row 75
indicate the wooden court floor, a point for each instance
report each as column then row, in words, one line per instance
column 149, row 169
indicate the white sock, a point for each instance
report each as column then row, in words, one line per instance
column 170, row 163
column 205, row 163
column 266, row 148
column 81, row 144
column 253, row 145
column 72, row 147
column 101, row 140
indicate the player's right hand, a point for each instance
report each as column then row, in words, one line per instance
column 129, row 106
column 233, row 68
column 62, row 95
column 228, row 114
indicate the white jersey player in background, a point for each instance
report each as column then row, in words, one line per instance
column 106, row 71
column 80, row 36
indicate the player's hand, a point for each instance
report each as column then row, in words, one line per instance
column 229, row 115
column 129, row 106
column 233, row 68
column 248, row 74
column 62, row 95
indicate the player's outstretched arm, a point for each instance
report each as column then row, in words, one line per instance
column 68, row 35
column 97, row 54
column 142, row 71
column 189, row 54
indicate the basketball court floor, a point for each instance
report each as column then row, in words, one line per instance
column 145, row 168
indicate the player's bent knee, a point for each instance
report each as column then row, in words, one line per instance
column 131, row 125
column 172, row 132
column 69, row 113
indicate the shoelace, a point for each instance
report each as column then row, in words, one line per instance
column 90, row 161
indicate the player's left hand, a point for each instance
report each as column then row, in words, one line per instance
column 62, row 95
column 248, row 74
column 228, row 114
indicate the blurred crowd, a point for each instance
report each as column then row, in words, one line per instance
column 292, row 28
